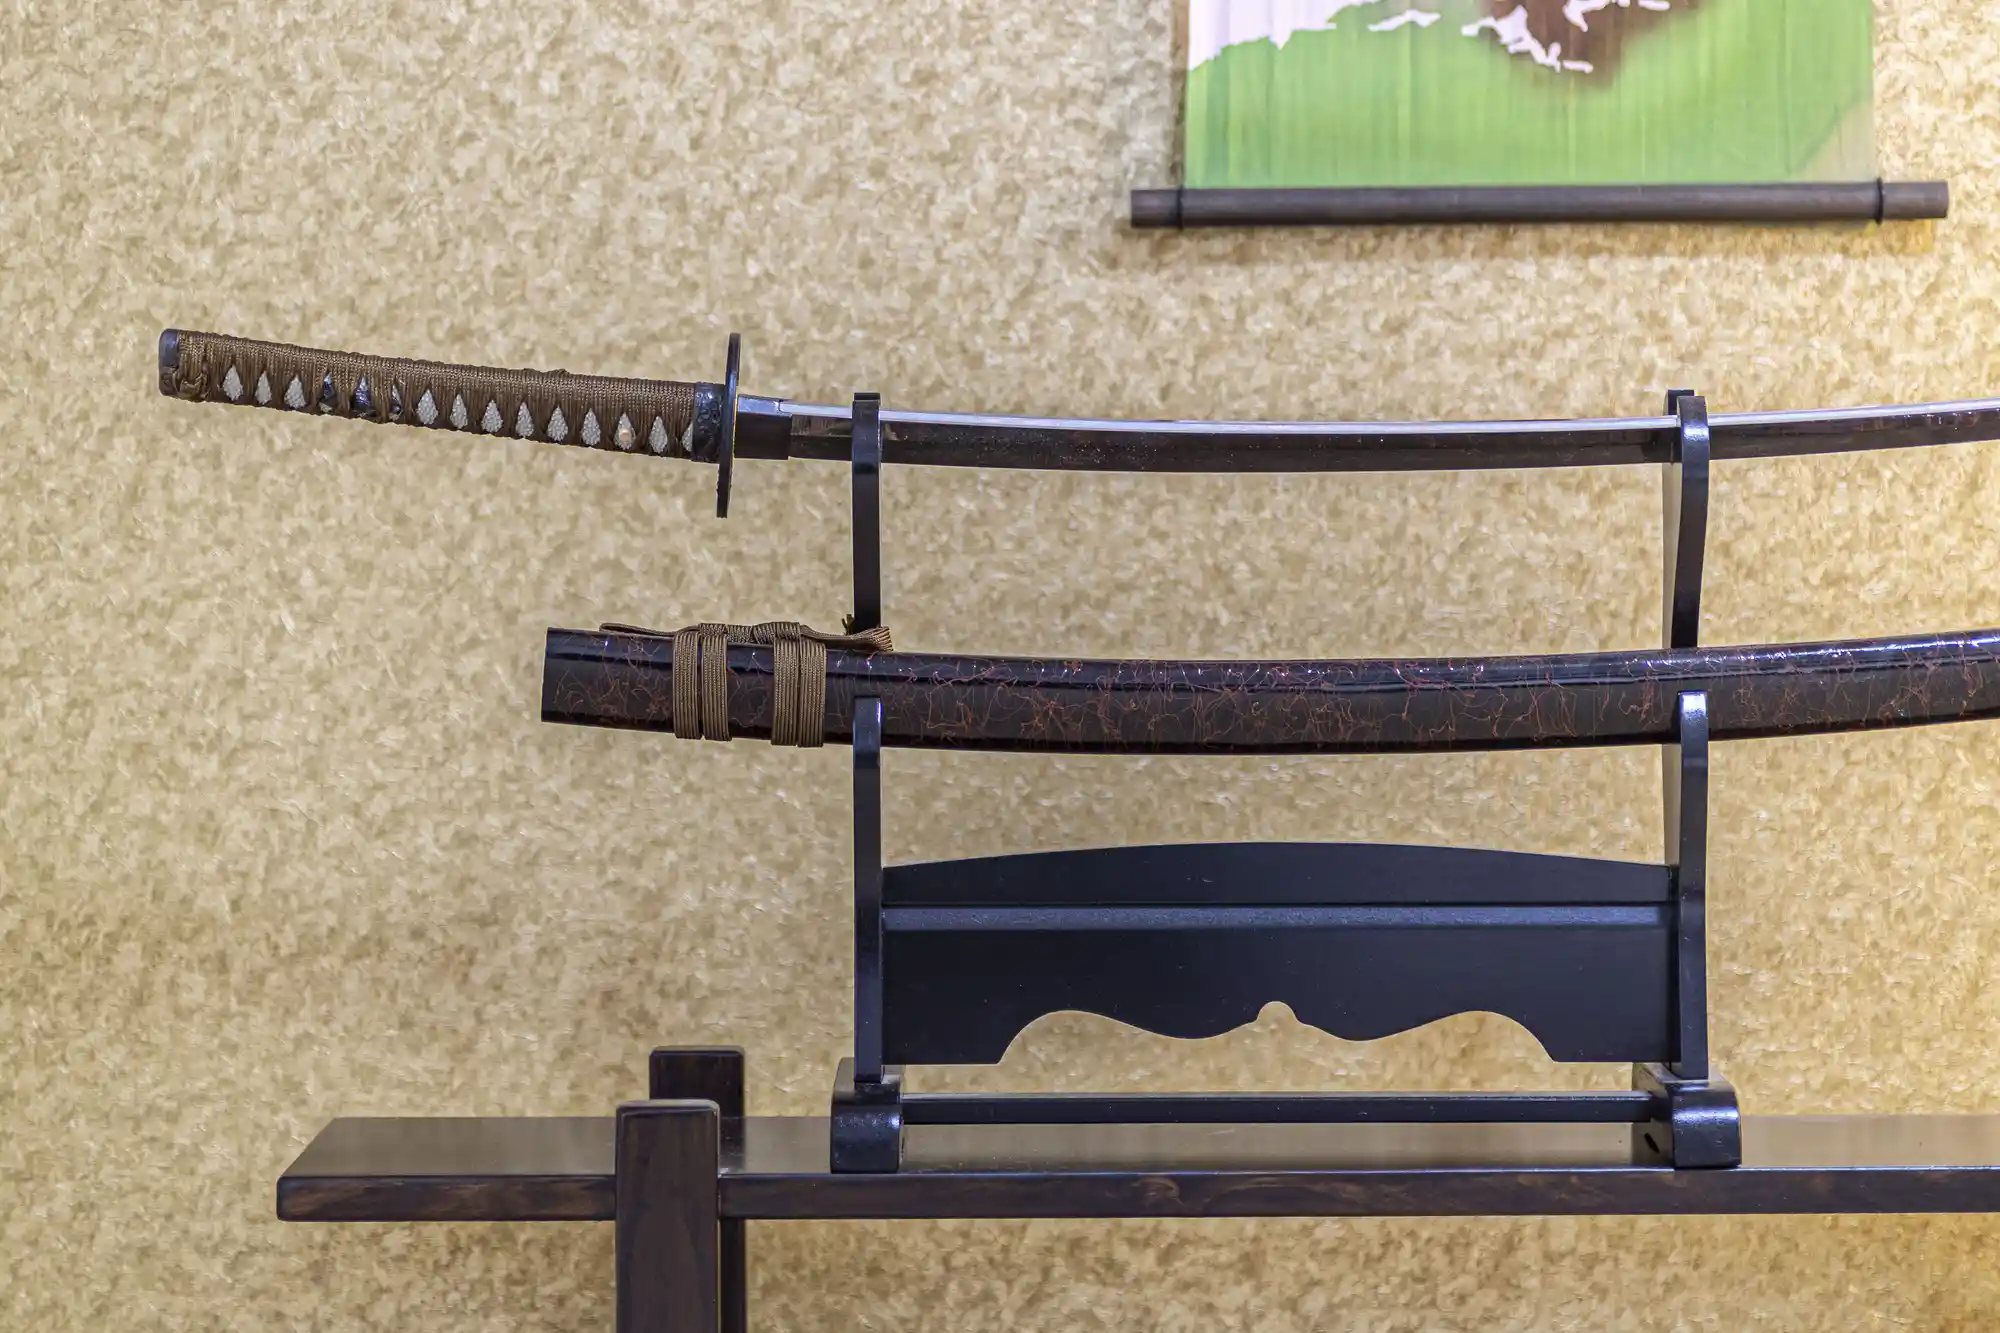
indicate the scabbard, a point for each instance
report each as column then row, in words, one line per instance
column 1063, row 706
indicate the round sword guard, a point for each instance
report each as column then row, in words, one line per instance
column 726, row 449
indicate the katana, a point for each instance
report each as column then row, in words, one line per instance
column 744, row 683
column 716, row 423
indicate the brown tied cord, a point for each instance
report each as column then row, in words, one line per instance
column 798, row 696
column 659, row 413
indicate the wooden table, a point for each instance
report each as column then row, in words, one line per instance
column 680, row 1180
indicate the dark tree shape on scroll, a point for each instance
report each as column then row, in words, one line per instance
column 1596, row 37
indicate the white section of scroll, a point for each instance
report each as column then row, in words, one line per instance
column 1216, row 24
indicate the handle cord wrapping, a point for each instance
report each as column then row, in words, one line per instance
column 798, row 706
column 596, row 411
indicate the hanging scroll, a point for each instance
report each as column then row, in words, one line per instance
column 1294, row 93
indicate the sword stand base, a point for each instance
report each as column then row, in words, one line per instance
column 1675, row 1122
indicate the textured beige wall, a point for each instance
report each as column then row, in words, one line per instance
column 281, row 837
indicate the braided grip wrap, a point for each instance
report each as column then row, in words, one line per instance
column 627, row 415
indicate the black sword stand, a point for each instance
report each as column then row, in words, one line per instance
column 1601, row 960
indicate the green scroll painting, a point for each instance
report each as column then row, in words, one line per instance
column 1528, row 92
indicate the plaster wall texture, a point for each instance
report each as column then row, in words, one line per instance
column 282, row 839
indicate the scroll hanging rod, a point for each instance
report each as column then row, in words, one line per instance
column 1784, row 202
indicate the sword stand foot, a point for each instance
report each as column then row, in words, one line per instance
column 1696, row 1123
column 866, row 1126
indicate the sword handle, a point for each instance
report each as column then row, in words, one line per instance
column 663, row 418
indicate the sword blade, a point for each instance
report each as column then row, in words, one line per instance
column 774, row 428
